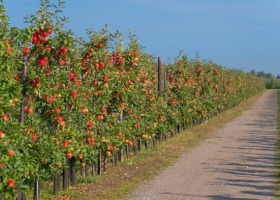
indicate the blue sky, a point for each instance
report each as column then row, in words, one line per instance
column 243, row 34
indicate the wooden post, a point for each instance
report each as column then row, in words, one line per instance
column 127, row 151
column 115, row 160
column 165, row 137
column 56, row 183
column 21, row 196
column 83, row 172
column 73, row 176
column 66, row 175
column 37, row 189
column 120, row 154
column 99, row 163
column 94, row 169
column 160, row 137
column 105, row 164
column 146, row 144
column 135, row 148
column 153, row 142
column 159, row 77
column 86, row 170
column 139, row 144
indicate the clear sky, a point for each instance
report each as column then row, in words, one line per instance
column 243, row 34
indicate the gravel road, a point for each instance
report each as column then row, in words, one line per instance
column 236, row 162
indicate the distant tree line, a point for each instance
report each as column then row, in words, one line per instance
column 271, row 81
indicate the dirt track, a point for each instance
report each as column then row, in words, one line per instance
column 237, row 162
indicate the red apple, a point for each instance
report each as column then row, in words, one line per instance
column 11, row 152
column 105, row 79
column 74, row 94
column 26, row 50
column 100, row 45
column 69, row 155
column 11, row 183
column 56, row 85
column 63, row 50
column 35, row 136
column 94, row 82
column 5, row 117
column 65, row 143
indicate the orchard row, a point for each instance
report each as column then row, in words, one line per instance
column 67, row 98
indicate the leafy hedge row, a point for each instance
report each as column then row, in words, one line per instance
column 78, row 97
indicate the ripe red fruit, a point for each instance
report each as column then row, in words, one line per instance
column 35, row 82
column 72, row 76
column 105, row 79
column 56, row 85
column 1, row 165
column 5, row 117
column 111, row 147
column 43, row 62
column 2, row 135
column 10, row 49
column 11, row 152
column 114, row 56
column 17, row 78
column 174, row 102
column 138, row 124
column 35, row 38
column 62, row 123
column 100, row 46
column 62, row 61
column 63, row 50
column 69, row 155
column 11, row 183
column 104, row 110
column 48, row 73
column 89, row 125
column 84, row 110
column 100, row 117
column 44, row 34
column 29, row 110
column 74, row 94
column 65, row 143
column 26, row 50
column 49, row 31
column 122, row 106
column 51, row 99
column 56, row 110
column 48, row 48
column 94, row 82
column 35, row 136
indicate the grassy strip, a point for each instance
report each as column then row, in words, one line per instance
column 278, row 150
column 124, row 179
